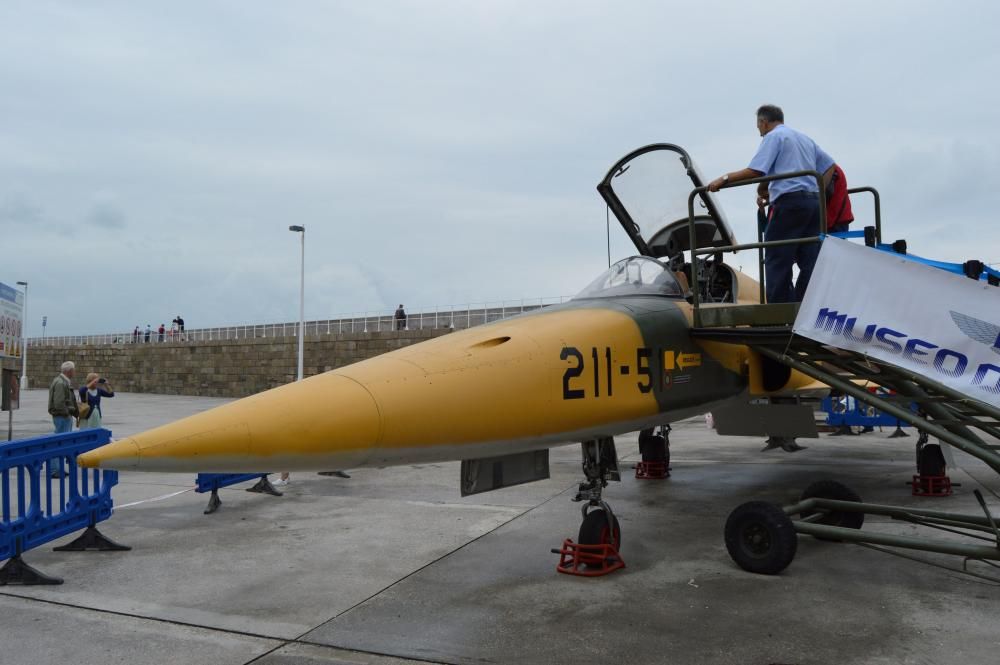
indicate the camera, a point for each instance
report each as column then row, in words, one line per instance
column 102, row 380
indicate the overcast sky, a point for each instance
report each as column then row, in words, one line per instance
column 153, row 155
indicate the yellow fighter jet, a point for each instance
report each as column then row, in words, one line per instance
column 617, row 358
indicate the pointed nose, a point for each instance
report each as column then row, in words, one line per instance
column 327, row 419
column 121, row 454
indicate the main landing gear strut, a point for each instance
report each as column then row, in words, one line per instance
column 596, row 550
column 655, row 451
column 932, row 471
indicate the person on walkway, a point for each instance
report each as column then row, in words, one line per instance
column 91, row 392
column 149, row 331
column 62, row 408
column 794, row 201
column 400, row 318
column 179, row 322
column 135, row 335
column 162, row 331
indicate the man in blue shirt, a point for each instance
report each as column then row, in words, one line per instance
column 794, row 201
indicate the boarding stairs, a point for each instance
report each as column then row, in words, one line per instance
column 968, row 424
column 965, row 423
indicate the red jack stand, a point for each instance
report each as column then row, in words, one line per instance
column 931, row 486
column 588, row 560
column 651, row 471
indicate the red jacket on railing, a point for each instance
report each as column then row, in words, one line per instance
column 838, row 203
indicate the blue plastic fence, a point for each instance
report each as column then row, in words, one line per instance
column 846, row 410
column 210, row 482
column 36, row 508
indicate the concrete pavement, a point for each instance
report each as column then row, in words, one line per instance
column 393, row 564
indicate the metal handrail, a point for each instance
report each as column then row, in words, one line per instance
column 878, row 208
column 695, row 300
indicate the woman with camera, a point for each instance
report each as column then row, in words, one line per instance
column 91, row 393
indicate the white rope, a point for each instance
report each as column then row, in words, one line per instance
column 155, row 498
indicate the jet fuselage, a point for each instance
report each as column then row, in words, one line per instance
column 581, row 370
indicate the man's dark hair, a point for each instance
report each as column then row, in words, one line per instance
column 771, row 113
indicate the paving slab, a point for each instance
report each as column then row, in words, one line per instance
column 32, row 633
column 311, row 654
column 392, row 565
column 681, row 599
column 274, row 566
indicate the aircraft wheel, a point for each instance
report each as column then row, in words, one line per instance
column 831, row 489
column 594, row 531
column 761, row 538
column 654, row 449
column 930, row 460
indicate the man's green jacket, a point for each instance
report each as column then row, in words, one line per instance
column 62, row 401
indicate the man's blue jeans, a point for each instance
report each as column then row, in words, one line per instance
column 795, row 215
column 63, row 425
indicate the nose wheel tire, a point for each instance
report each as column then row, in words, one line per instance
column 596, row 530
column 761, row 538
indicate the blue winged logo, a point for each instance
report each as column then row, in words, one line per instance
column 981, row 331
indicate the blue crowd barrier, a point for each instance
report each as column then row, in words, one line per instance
column 847, row 411
column 36, row 508
column 213, row 482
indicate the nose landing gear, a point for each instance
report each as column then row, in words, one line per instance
column 596, row 550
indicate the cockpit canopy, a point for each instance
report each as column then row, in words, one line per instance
column 647, row 190
column 636, row 275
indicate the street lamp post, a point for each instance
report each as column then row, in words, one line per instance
column 302, row 297
column 24, row 339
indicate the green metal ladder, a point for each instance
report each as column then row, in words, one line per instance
column 966, row 423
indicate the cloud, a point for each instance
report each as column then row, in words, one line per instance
column 105, row 213
column 17, row 209
column 443, row 153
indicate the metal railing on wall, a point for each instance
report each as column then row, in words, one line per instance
column 452, row 316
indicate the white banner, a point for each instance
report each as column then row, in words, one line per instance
column 935, row 323
column 11, row 304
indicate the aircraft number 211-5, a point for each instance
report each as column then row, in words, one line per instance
column 575, row 385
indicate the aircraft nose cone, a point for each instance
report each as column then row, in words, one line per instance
column 326, row 420
column 121, row 454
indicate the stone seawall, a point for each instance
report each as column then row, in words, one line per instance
column 222, row 368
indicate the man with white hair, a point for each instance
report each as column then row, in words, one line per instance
column 62, row 401
column 62, row 407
